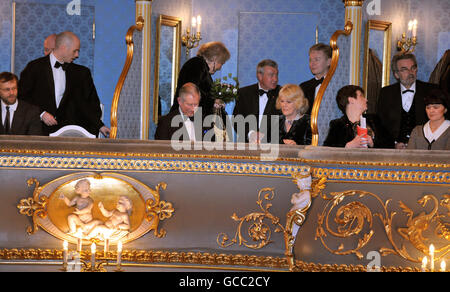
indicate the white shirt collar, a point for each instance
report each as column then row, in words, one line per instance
column 407, row 97
column 403, row 88
column 53, row 60
column 433, row 136
column 12, row 107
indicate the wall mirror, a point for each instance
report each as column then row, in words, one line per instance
column 377, row 58
column 167, row 63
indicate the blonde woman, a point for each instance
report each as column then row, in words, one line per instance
column 295, row 127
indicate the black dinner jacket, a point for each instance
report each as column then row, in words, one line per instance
column 165, row 130
column 248, row 104
column 80, row 104
column 309, row 89
column 389, row 108
column 26, row 120
column 196, row 71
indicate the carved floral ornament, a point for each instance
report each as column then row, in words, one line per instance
column 347, row 216
column 95, row 207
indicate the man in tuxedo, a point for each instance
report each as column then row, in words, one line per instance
column 17, row 116
column 257, row 104
column 64, row 92
column 319, row 64
column 179, row 124
column 49, row 44
column 401, row 105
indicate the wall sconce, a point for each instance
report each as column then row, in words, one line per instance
column 408, row 42
column 192, row 37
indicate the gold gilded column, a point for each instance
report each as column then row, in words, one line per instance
column 353, row 12
column 144, row 9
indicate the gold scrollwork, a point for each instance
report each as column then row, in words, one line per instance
column 258, row 231
column 352, row 218
column 157, row 210
column 34, row 207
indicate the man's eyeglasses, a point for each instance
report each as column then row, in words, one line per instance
column 407, row 70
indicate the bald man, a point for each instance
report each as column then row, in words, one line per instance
column 64, row 91
column 49, row 44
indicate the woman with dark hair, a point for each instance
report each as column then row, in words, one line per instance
column 434, row 134
column 343, row 132
column 295, row 127
column 198, row 70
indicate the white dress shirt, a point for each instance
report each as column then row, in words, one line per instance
column 407, row 97
column 262, row 105
column 12, row 109
column 59, row 77
column 317, row 87
column 189, row 126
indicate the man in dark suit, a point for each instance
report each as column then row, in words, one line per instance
column 401, row 105
column 319, row 64
column 257, row 104
column 180, row 124
column 17, row 116
column 64, row 92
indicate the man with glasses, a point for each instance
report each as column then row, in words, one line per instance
column 401, row 105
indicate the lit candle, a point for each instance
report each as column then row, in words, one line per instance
column 410, row 25
column 194, row 24
column 65, row 249
column 106, row 246
column 443, row 266
column 431, row 257
column 93, row 248
column 119, row 254
column 424, row 264
column 199, row 23
column 414, row 27
column 79, row 244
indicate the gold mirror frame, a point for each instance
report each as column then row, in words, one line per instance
column 387, row 28
column 174, row 22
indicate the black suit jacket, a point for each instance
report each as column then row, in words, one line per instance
column 341, row 132
column 248, row 105
column 80, row 104
column 309, row 89
column 389, row 108
column 26, row 120
column 300, row 130
column 165, row 130
column 196, row 70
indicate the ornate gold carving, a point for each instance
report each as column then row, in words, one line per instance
column 157, row 210
column 35, row 207
column 352, row 218
column 258, row 231
column 13, row 161
column 297, row 214
column 120, row 208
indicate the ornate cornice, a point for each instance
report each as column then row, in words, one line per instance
column 353, row 2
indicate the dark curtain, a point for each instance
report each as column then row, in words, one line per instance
column 374, row 81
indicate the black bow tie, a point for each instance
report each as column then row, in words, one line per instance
column 316, row 82
column 63, row 66
column 407, row 90
column 188, row 118
column 270, row 93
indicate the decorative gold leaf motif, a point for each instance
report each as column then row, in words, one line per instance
column 258, row 231
column 34, row 207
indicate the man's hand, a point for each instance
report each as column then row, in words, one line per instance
column 289, row 142
column 400, row 145
column 105, row 131
column 48, row 119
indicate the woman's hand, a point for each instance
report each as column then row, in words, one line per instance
column 289, row 142
column 218, row 103
column 360, row 142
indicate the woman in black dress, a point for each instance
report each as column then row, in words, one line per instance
column 343, row 132
column 295, row 128
column 198, row 70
